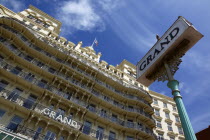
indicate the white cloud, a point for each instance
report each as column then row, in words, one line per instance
column 79, row 15
column 109, row 5
column 14, row 5
column 85, row 15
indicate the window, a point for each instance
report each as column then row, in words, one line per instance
column 112, row 135
column 50, row 135
column 116, row 103
column 31, row 25
column 23, row 38
column 16, row 70
column 92, row 107
column 167, row 115
column 103, row 113
column 67, row 95
column 46, row 25
column 99, row 133
column 60, row 91
column 155, row 101
column 165, row 105
column 177, row 119
column 129, row 138
column 169, row 127
column 3, row 84
column 157, row 112
column 160, row 137
column 70, row 116
column 140, row 126
column 2, row 112
column 40, row 64
column 38, row 21
column 29, row 77
column 130, row 123
column 114, row 118
column 51, row 70
column 42, row 83
column 106, row 98
column 180, row 130
column 130, row 108
column 148, row 130
column 62, row 138
column 60, row 111
column 87, row 127
column 1, row 57
column 30, row 101
column 14, row 94
column 58, row 59
column 2, row 39
column 158, row 123
column 174, row 108
column 38, row 132
column 51, row 107
column 30, row 16
column 12, row 47
column 37, row 48
column 14, row 122
column 29, row 58
column 172, row 138
column 48, row 54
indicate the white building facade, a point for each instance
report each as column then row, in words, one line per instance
column 168, row 124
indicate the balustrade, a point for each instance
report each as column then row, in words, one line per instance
column 44, row 85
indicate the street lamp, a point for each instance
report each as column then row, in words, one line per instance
column 162, row 60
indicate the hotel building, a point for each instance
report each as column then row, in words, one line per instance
column 51, row 88
column 168, row 124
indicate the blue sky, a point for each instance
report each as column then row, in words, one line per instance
column 126, row 29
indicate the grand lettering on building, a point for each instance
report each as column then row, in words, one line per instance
column 60, row 118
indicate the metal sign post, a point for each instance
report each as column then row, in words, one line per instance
column 185, row 121
column 162, row 60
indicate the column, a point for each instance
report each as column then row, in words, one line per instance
column 185, row 121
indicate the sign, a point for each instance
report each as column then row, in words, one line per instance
column 60, row 118
column 179, row 31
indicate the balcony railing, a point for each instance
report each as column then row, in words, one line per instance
column 99, row 82
column 39, row 108
column 46, row 40
column 7, row 134
column 31, row 105
column 42, row 85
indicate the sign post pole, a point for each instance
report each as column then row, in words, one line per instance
column 185, row 121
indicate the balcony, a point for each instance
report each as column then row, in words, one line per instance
column 43, row 84
column 79, row 70
column 6, row 134
column 32, row 105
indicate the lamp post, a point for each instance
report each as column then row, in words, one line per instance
column 185, row 121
